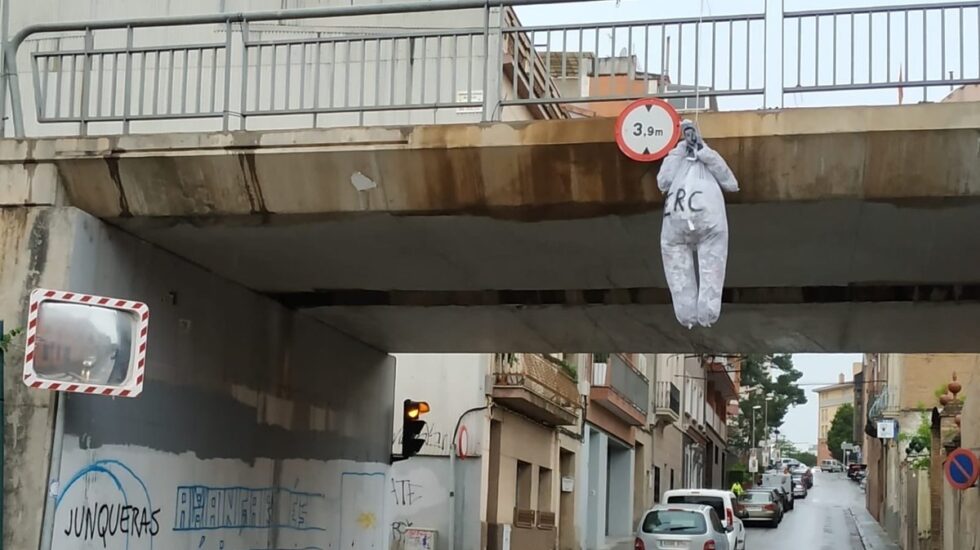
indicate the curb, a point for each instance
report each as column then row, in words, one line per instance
column 873, row 537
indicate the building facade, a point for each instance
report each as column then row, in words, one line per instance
column 831, row 398
column 502, row 438
column 905, row 390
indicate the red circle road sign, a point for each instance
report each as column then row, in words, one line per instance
column 648, row 129
column 962, row 469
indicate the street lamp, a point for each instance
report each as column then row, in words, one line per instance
column 769, row 397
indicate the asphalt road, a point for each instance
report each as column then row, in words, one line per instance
column 820, row 522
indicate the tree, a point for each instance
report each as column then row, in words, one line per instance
column 841, row 430
column 6, row 338
column 765, row 375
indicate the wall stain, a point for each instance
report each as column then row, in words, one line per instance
column 112, row 163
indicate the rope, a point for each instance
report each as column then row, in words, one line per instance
column 697, row 52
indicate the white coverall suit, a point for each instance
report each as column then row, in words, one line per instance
column 693, row 176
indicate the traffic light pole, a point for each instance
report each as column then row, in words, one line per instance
column 453, row 450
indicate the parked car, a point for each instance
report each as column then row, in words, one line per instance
column 831, row 465
column 799, row 487
column 761, row 506
column 785, row 484
column 777, row 493
column 853, row 469
column 725, row 504
column 807, row 474
column 694, row 526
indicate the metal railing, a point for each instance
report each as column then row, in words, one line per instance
column 668, row 397
column 621, row 377
column 714, row 420
column 855, row 63
column 481, row 62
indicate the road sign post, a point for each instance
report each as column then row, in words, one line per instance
column 648, row 129
column 962, row 469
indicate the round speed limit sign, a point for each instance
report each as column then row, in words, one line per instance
column 648, row 129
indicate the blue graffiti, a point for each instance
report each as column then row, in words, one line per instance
column 102, row 520
column 202, row 508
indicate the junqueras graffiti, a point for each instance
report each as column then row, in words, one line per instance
column 101, row 520
column 108, row 520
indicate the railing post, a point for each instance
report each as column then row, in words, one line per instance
column 243, row 107
column 486, row 60
column 86, row 82
column 773, row 80
column 128, row 81
column 227, row 94
column 13, row 84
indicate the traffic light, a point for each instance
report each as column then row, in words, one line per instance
column 412, row 427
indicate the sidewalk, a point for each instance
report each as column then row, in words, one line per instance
column 873, row 537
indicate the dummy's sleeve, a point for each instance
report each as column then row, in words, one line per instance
column 718, row 168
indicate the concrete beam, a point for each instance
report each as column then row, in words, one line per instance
column 540, row 170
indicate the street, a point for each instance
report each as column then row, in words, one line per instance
column 820, row 522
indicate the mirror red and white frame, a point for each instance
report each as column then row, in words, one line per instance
column 133, row 384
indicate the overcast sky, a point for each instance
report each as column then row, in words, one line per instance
column 905, row 57
column 819, row 369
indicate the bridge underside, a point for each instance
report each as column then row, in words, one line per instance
column 836, row 275
column 855, row 229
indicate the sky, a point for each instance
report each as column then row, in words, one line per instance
column 819, row 369
column 806, row 64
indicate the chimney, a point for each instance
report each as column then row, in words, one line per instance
column 840, row 378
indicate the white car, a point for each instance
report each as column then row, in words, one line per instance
column 691, row 526
column 723, row 502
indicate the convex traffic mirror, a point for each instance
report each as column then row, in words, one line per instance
column 85, row 344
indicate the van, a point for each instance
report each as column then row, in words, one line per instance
column 783, row 482
column 831, row 465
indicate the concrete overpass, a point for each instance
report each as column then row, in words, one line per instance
column 856, row 228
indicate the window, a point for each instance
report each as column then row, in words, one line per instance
column 656, row 484
column 716, row 455
column 715, row 502
column 675, row 522
column 671, row 479
column 544, row 489
column 523, row 494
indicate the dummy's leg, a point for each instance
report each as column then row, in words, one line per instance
column 712, row 260
column 679, row 269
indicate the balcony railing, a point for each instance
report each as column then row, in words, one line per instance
column 537, row 386
column 620, row 387
column 667, row 400
column 713, row 419
column 229, row 67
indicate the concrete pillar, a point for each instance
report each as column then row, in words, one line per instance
column 240, row 393
column 35, row 244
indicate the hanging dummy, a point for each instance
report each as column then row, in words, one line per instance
column 695, row 227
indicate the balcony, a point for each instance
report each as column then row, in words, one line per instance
column 720, row 374
column 667, row 402
column 621, row 389
column 714, row 421
column 537, row 387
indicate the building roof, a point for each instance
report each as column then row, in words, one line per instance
column 834, row 387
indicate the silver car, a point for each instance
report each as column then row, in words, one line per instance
column 681, row 527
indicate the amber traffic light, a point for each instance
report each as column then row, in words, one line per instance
column 412, row 427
